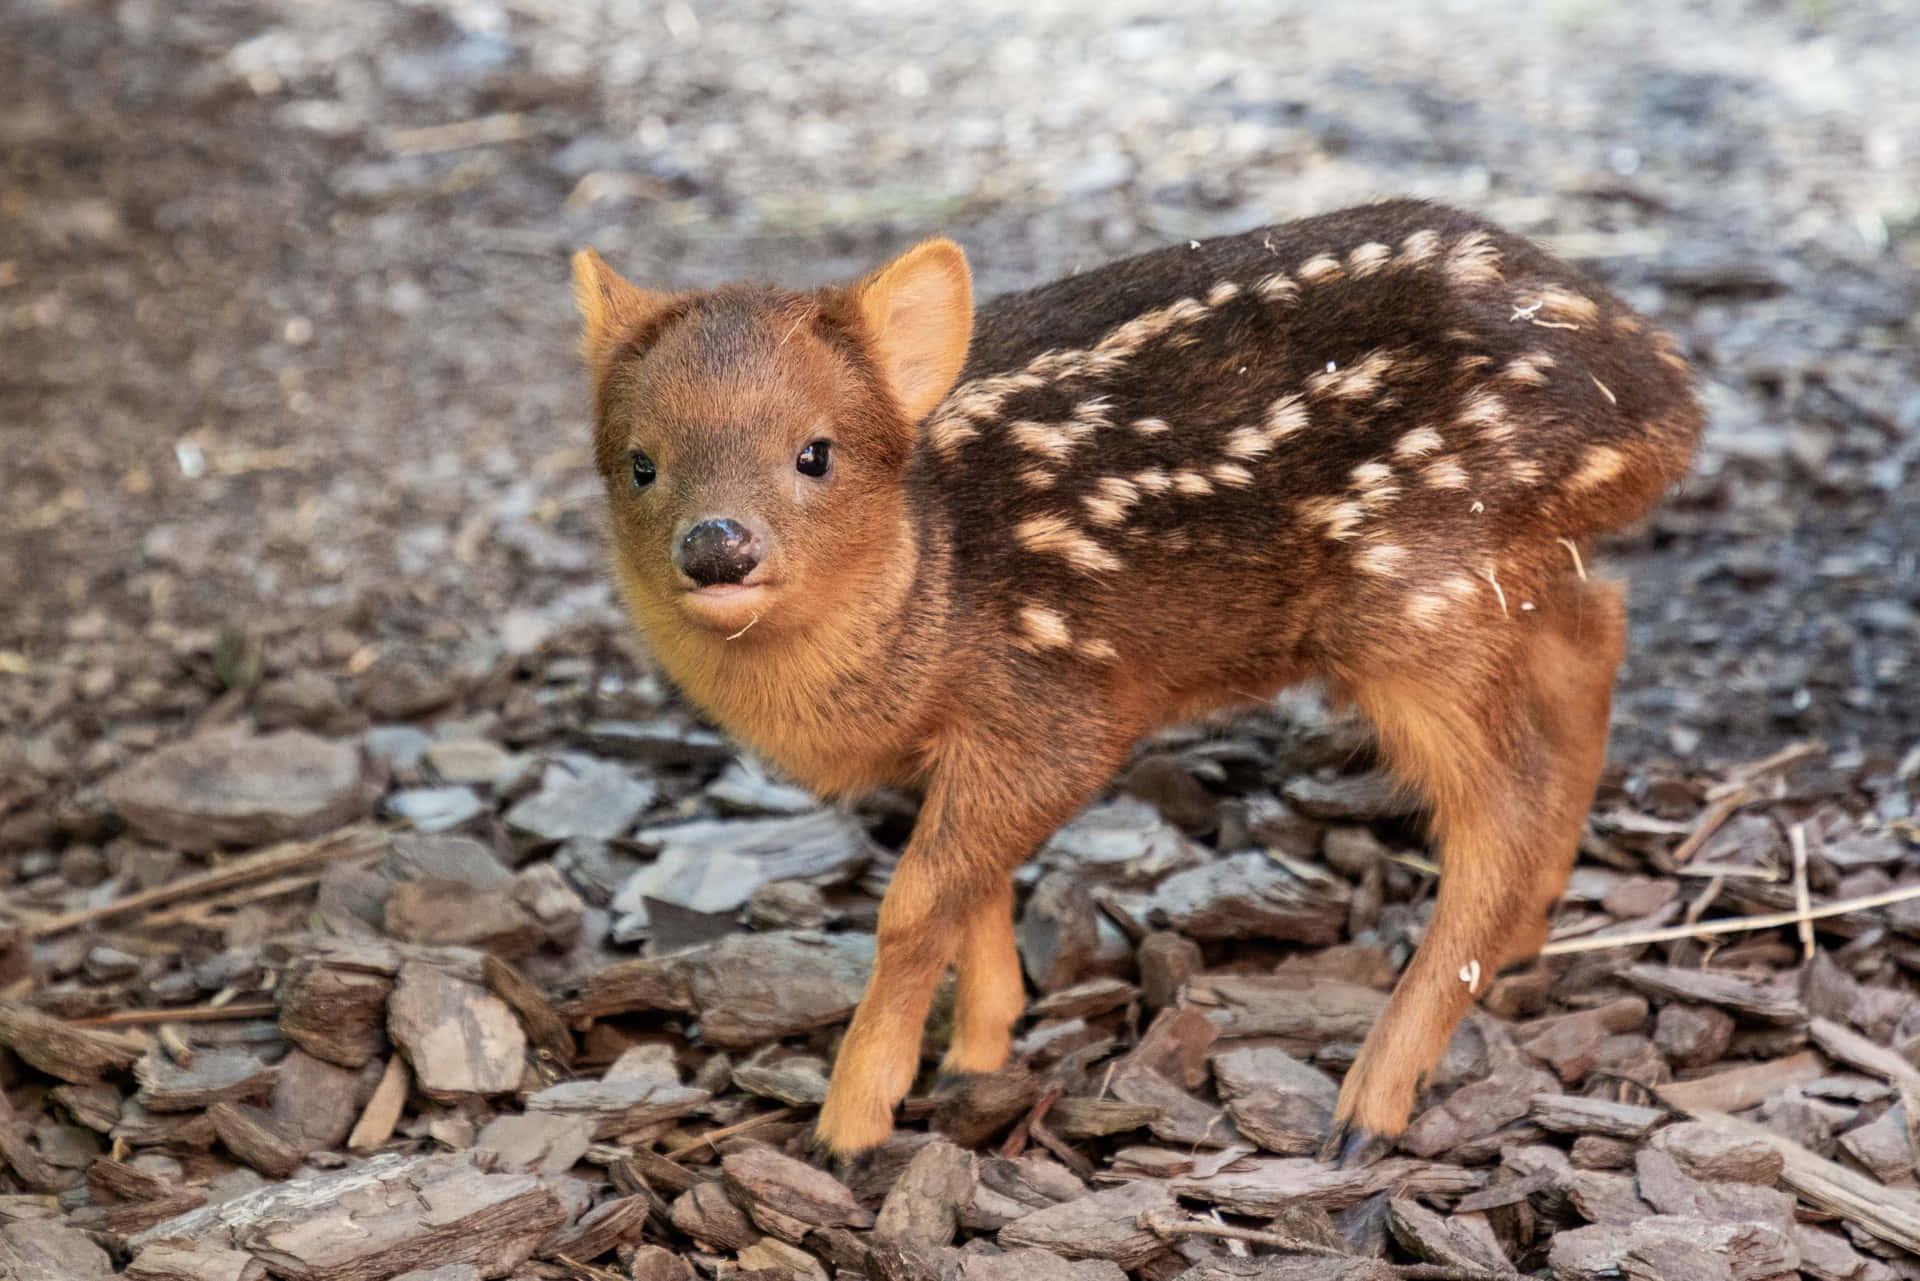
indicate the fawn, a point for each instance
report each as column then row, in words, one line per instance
column 884, row 539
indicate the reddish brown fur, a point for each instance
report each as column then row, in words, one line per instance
column 1364, row 448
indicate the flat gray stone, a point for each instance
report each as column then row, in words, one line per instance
column 231, row 787
column 582, row 797
column 715, row 865
column 460, row 1038
column 434, row 809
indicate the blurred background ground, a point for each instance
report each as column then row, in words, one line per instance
column 288, row 346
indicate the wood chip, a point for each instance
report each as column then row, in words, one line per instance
column 67, row 1053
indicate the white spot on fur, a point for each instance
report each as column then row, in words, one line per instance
column 1366, row 259
column 1044, row 628
column 1232, row 474
column 1056, row 535
column 1473, row 261
column 1370, row 475
column 1035, row 476
column 1222, row 294
column 1286, row 416
column 1247, row 442
column 1444, row 473
column 1318, row 269
column 1192, row 483
column 1150, row 426
column 1603, row 463
column 1098, row 650
column 1529, row 370
column 1113, row 496
column 1424, row 609
column 1153, row 480
column 1418, row 443
column 1338, row 519
column 1418, row 249
column 1381, row 558
column 1279, row 287
column 1055, row 440
column 1356, row 382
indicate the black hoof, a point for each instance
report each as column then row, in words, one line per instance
column 1352, row 1149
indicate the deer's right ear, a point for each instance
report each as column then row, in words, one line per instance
column 610, row 308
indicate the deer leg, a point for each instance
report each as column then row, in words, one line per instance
column 1507, row 752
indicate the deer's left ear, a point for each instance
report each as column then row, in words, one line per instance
column 610, row 308
column 919, row 315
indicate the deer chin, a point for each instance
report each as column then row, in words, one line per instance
column 732, row 608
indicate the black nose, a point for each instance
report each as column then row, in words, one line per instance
column 718, row 551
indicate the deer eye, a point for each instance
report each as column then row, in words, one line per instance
column 813, row 459
column 642, row 470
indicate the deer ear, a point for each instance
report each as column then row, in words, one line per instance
column 919, row 314
column 610, row 308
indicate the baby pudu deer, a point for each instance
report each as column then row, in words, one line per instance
column 882, row 538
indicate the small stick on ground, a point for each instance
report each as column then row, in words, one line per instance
column 1797, row 838
column 1016, row 1142
column 351, row 843
column 1712, row 819
column 708, row 1139
column 186, row 1014
column 1731, row 925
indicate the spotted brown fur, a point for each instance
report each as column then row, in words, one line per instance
column 1364, row 448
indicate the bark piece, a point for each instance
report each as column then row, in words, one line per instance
column 1882, row 1147
column 71, row 1054
column 1265, row 1187
column 582, row 797
column 1036, row 1265
column 1892, row 1214
column 1306, row 1014
column 1477, row 1110
column 979, row 1106
column 448, row 912
column 250, row 1134
column 545, row 1027
column 787, row 1197
column 1103, row 1225
column 335, row 1014
column 1826, row 1256
column 1058, row 932
column 1707, row 1152
column 314, row 1103
column 1670, row 1190
column 599, row 1231
column 1437, row 1239
column 1742, row 1087
column 1673, row 1249
column 460, row 1038
column 230, row 787
column 1098, row 1118
column 707, row 1214
column 747, row 988
column 715, row 865
column 1693, row 1036
column 214, row 1076
column 1574, row 1114
column 532, row 1143
column 1166, row 961
column 198, row 1262
column 770, row 1257
column 1183, row 1118
column 1764, row 1003
column 657, row 1263
column 1008, row 1190
column 382, row 1112
column 1253, row 895
column 388, row 1215
column 923, row 1207
column 46, row 1250
column 617, row 1107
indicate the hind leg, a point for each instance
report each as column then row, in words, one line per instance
column 1507, row 749
column 991, row 992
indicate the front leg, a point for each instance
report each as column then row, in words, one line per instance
column 989, row 806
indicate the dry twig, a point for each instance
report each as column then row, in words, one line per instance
column 1730, row 925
